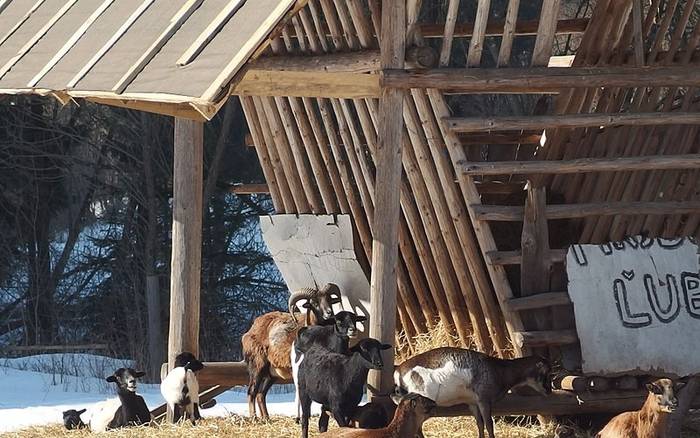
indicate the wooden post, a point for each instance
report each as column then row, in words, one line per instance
column 387, row 196
column 186, row 260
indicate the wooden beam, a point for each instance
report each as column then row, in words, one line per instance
column 546, row 30
column 476, row 42
column 61, row 348
column 498, row 28
column 548, row 338
column 571, row 211
column 250, row 189
column 307, row 84
column 186, row 238
column 583, row 165
column 509, row 29
column 515, row 257
column 71, row 42
column 541, row 79
column 22, row 20
column 638, row 32
column 174, row 24
column 180, row 110
column 210, row 32
column 111, row 42
column 385, row 239
column 36, row 37
column 571, row 121
column 344, row 62
column 538, row 301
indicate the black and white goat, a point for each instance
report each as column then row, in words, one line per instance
column 267, row 345
column 72, row 420
column 451, row 376
column 129, row 409
column 180, row 388
column 336, row 381
column 335, row 338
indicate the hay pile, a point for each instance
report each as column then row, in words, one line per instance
column 278, row 427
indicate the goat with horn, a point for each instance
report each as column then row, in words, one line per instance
column 267, row 345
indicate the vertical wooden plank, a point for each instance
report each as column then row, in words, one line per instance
column 545, row 33
column 387, row 208
column 535, row 264
column 508, row 33
column 186, row 261
column 448, row 35
column 476, row 45
column 638, row 35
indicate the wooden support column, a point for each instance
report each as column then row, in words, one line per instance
column 535, row 264
column 387, row 197
column 186, row 259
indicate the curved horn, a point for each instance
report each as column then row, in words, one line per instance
column 300, row 294
column 333, row 292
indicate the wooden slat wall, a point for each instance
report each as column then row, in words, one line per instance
column 318, row 156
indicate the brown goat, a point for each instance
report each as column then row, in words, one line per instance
column 266, row 346
column 412, row 411
column 649, row 422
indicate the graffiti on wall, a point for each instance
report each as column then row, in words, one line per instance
column 638, row 298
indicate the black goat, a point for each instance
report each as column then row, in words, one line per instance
column 334, row 337
column 72, row 420
column 336, row 381
column 133, row 409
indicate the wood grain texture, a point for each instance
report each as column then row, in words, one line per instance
column 186, row 258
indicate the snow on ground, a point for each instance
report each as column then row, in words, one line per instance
column 37, row 389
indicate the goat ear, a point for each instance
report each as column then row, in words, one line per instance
column 82, row 411
column 111, row 379
column 361, row 318
column 138, row 374
column 386, row 346
column 654, row 388
column 678, row 386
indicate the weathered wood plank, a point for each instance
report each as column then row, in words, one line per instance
column 509, row 29
column 571, row 211
column 307, row 84
column 549, row 338
column 186, row 238
column 383, row 284
column 349, row 62
column 538, row 301
column 542, row 79
column 600, row 120
column 582, row 165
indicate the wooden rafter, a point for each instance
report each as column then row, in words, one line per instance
column 582, row 165
column 542, row 80
column 571, row 211
column 595, row 120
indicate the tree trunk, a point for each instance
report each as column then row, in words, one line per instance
column 156, row 350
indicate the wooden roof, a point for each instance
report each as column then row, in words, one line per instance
column 612, row 146
column 173, row 56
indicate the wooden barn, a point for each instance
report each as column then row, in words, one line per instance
column 476, row 147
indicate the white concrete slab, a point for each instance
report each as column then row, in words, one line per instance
column 637, row 305
column 311, row 251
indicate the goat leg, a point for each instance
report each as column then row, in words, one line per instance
column 305, row 414
column 261, row 397
column 485, row 409
column 323, row 420
column 478, row 418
